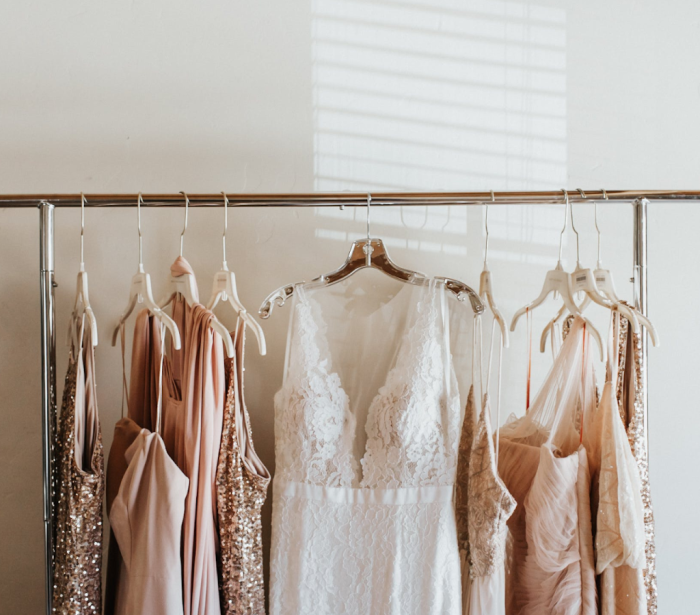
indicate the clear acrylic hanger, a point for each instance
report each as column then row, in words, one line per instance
column 224, row 289
column 82, row 297
column 559, row 281
column 186, row 285
column 485, row 288
column 604, row 281
column 371, row 252
column 140, row 292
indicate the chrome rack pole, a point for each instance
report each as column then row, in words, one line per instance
column 640, row 297
column 48, row 382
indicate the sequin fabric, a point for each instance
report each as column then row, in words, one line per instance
column 462, row 479
column 490, row 503
column 630, row 395
column 77, row 588
column 241, row 493
column 483, row 504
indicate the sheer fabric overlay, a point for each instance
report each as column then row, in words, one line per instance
column 363, row 517
column 545, row 467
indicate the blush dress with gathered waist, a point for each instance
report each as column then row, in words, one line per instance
column 544, row 465
column 363, row 519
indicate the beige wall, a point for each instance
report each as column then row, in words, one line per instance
column 280, row 96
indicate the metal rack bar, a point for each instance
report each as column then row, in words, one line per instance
column 48, row 202
column 350, row 199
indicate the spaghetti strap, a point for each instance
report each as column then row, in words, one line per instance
column 125, row 385
column 446, row 340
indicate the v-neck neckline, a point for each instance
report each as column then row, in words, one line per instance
column 319, row 338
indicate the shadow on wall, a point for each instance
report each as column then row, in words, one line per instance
column 425, row 95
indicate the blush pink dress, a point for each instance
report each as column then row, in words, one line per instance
column 545, row 467
column 146, row 514
column 146, row 518
column 193, row 423
column 193, row 392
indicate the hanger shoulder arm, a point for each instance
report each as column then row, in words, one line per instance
column 598, row 339
column 556, row 280
column 125, row 314
column 170, row 325
column 219, row 328
column 502, row 325
column 463, row 292
column 278, row 297
column 650, row 328
column 257, row 331
column 90, row 315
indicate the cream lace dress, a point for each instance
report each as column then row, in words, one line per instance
column 367, row 425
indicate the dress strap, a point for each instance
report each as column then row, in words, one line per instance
column 159, row 406
column 611, row 366
column 125, row 386
column 486, row 395
column 477, row 344
column 447, row 364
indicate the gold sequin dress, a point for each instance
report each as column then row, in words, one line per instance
column 79, row 464
column 630, row 391
column 241, row 487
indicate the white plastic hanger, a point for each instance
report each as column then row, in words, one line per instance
column 604, row 281
column 224, row 289
column 485, row 288
column 82, row 298
column 186, row 285
column 559, row 281
column 583, row 281
column 140, row 292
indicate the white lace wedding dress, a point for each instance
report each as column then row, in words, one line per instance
column 363, row 519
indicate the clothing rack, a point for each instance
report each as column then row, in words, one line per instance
column 48, row 202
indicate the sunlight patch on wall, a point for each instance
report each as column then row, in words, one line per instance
column 438, row 95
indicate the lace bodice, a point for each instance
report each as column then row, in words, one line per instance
column 412, row 423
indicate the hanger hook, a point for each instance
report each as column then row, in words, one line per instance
column 369, row 207
column 184, row 230
column 566, row 222
column 599, row 264
column 578, row 248
column 82, row 231
column 138, row 213
column 486, row 224
column 368, row 249
column 223, row 240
